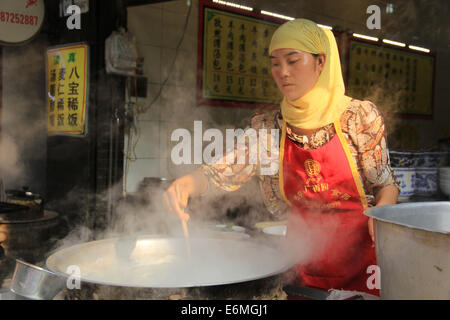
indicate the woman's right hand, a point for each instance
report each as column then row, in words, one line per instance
column 177, row 196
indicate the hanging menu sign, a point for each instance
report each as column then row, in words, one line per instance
column 398, row 79
column 67, row 83
column 235, row 59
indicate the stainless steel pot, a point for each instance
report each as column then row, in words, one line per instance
column 162, row 265
column 35, row 283
column 413, row 250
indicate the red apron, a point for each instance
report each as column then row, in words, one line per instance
column 327, row 202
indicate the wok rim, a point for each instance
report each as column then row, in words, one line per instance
column 290, row 262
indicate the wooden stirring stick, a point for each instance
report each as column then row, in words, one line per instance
column 185, row 228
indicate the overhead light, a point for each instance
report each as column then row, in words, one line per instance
column 394, row 43
column 234, row 5
column 419, row 49
column 276, row 15
column 357, row 35
column 325, row 27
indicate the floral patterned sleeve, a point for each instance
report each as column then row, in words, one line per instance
column 367, row 130
column 230, row 177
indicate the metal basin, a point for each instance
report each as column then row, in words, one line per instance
column 35, row 283
column 413, row 249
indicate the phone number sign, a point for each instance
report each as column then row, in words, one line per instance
column 20, row 20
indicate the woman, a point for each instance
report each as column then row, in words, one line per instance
column 333, row 160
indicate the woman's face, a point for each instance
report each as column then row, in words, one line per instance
column 295, row 72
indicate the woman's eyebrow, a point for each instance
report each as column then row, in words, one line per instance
column 291, row 53
column 286, row 55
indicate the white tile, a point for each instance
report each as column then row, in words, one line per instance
column 145, row 23
column 140, row 169
column 178, row 6
column 164, row 138
column 178, row 103
column 150, row 106
column 183, row 70
column 174, row 30
column 148, row 144
column 163, row 168
column 152, row 62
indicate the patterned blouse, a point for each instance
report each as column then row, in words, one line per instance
column 363, row 128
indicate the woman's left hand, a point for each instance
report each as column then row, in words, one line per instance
column 371, row 233
column 385, row 196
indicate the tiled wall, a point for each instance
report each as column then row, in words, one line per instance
column 158, row 29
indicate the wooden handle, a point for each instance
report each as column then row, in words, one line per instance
column 185, row 228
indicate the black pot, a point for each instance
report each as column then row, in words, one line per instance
column 26, row 198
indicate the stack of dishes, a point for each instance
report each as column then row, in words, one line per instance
column 444, row 180
column 417, row 171
column 407, row 180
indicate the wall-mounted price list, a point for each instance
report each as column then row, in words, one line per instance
column 398, row 80
column 236, row 65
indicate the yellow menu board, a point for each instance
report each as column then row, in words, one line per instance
column 236, row 65
column 400, row 81
column 67, row 84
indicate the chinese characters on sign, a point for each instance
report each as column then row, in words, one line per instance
column 67, row 89
column 236, row 64
column 398, row 79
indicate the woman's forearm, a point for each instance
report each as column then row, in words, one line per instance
column 386, row 195
column 200, row 182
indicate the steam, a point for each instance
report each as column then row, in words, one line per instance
column 11, row 166
column 23, row 119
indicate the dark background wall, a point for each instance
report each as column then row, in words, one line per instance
column 80, row 170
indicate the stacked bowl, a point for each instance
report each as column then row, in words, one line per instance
column 407, row 179
column 403, row 163
column 417, row 172
column 444, row 180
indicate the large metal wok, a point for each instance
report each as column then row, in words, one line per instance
column 155, row 267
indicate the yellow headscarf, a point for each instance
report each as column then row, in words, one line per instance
column 326, row 101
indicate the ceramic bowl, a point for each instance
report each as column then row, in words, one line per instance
column 406, row 178
column 276, row 230
column 426, row 181
column 402, row 159
column 431, row 159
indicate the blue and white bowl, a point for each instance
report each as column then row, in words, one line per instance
column 426, row 181
column 407, row 178
column 402, row 159
column 431, row 159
